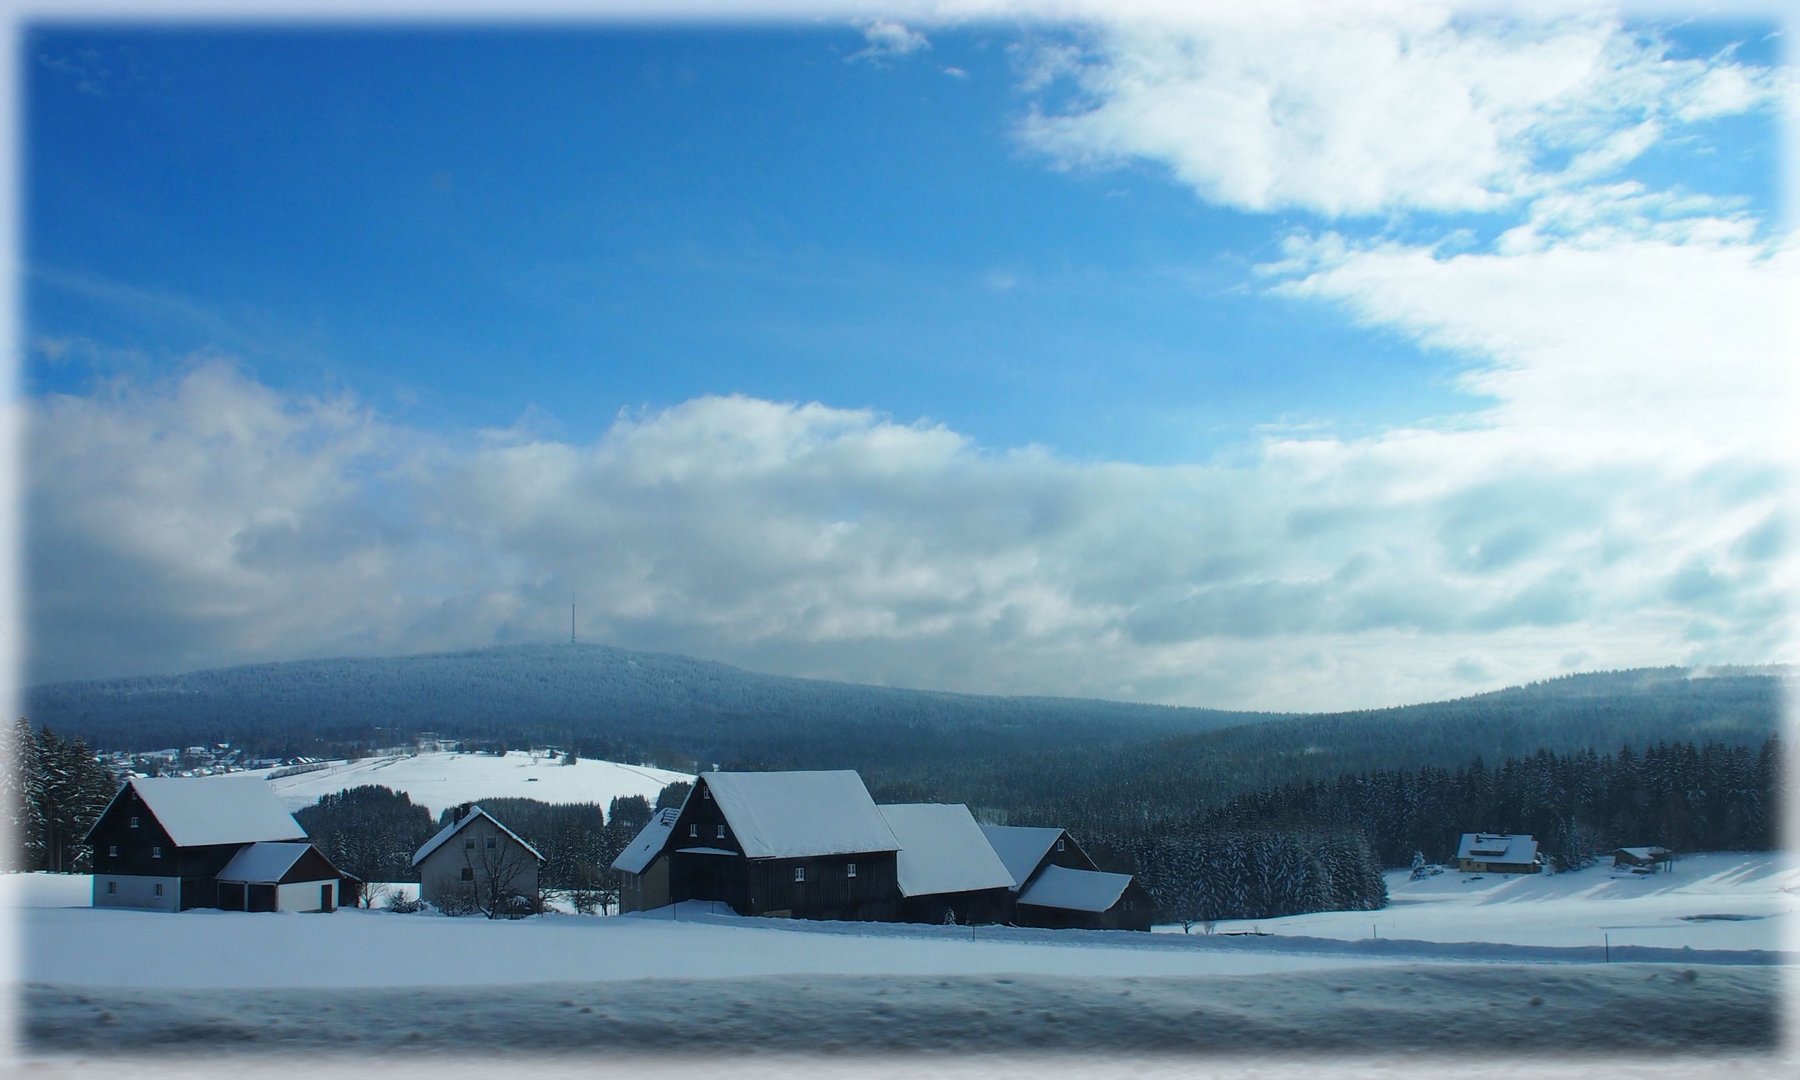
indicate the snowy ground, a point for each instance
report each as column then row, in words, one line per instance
column 440, row 780
column 1711, row 901
column 568, row 991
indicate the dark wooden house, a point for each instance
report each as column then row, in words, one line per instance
column 163, row 843
column 1056, row 885
column 801, row 844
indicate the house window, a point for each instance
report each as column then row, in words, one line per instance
column 850, row 870
column 112, row 851
column 112, row 888
column 694, row 830
column 468, row 873
column 469, row 844
column 156, row 852
column 721, row 835
column 799, row 873
column 490, row 842
column 134, row 821
column 159, row 888
column 1059, row 843
column 706, row 793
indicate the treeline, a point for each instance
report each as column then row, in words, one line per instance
column 1680, row 796
column 1258, row 873
column 53, row 790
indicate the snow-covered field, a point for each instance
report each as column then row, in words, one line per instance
column 1710, row 901
column 440, row 780
column 155, row 986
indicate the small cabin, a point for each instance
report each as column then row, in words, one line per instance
column 1643, row 860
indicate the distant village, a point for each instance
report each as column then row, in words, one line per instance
column 183, row 833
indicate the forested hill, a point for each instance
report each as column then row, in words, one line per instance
column 608, row 702
column 1168, row 778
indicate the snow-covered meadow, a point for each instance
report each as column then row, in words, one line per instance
column 439, row 780
column 1709, row 901
column 1492, row 967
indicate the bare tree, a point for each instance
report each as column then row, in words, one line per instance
column 501, row 879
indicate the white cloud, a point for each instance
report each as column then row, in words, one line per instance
column 1374, row 109
column 208, row 519
column 887, row 40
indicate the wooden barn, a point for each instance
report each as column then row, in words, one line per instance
column 174, row 843
column 947, row 870
column 1057, row 886
column 808, row 845
column 1498, row 853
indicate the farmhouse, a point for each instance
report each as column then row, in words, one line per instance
column 1498, row 853
column 1056, row 885
column 809, row 845
column 475, row 863
column 814, row 845
column 171, row 844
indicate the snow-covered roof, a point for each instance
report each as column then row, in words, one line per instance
column 1646, row 853
column 1020, row 847
column 264, row 862
column 786, row 815
column 1075, row 890
column 1497, row 848
column 942, row 850
column 197, row 811
column 455, row 827
column 642, row 851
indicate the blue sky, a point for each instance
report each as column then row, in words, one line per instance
column 1280, row 362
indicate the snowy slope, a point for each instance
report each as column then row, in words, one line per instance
column 1709, row 901
column 440, row 780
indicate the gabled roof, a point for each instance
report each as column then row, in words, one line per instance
column 1020, row 847
column 1497, row 848
column 942, row 850
column 1075, row 890
column 455, row 827
column 201, row 810
column 785, row 815
column 650, row 841
column 263, row 862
